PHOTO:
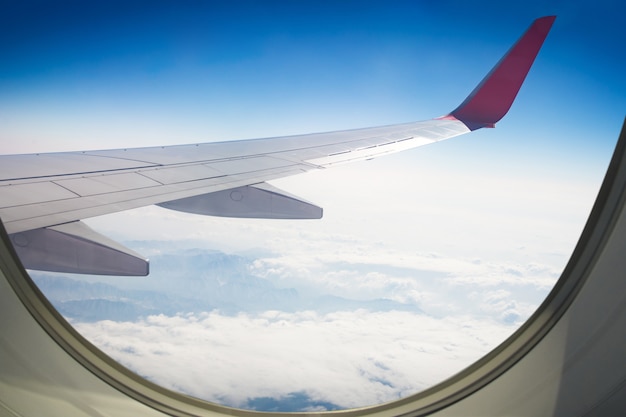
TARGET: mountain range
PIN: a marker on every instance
(189, 281)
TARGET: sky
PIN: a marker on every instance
(489, 218)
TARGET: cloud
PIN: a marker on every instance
(347, 358)
(437, 284)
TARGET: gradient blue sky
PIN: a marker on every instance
(78, 75)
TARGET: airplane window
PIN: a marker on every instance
(423, 262)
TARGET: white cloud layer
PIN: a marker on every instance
(348, 358)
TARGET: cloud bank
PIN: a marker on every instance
(347, 358)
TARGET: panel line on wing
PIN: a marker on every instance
(34, 193)
(72, 174)
(103, 184)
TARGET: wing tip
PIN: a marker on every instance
(494, 95)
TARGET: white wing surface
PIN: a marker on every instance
(43, 197)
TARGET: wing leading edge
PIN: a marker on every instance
(43, 197)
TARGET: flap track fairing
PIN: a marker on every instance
(76, 248)
(258, 201)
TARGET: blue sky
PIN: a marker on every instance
(80, 75)
(496, 212)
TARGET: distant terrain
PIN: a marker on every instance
(189, 281)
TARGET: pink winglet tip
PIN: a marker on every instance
(492, 98)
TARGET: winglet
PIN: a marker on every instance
(492, 98)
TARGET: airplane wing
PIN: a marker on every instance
(43, 197)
